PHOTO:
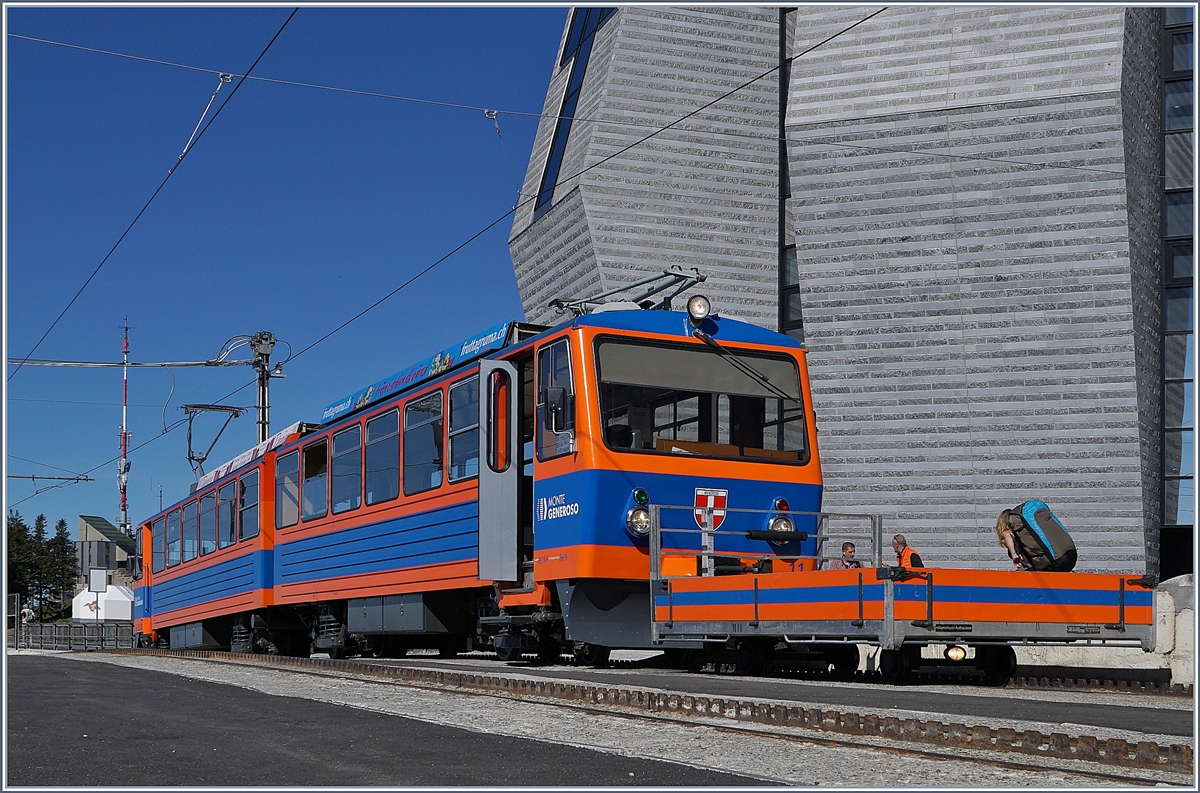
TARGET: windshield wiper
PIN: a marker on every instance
(742, 366)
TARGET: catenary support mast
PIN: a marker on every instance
(123, 465)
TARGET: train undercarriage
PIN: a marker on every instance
(583, 620)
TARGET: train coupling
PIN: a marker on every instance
(506, 620)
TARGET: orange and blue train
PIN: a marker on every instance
(626, 479)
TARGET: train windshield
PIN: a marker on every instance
(689, 400)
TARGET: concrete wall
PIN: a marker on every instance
(975, 325)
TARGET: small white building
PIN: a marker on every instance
(113, 605)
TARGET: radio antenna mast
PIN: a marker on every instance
(123, 464)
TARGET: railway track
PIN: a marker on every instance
(1107, 760)
(1027, 678)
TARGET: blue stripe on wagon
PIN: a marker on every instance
(1024, 596)
(234, 576)
(911, 593)
(741, 597)
(447, 534)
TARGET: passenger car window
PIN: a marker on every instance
(500, 392)
(555, 402)
(173, 539)
(136, 561)
(208, 523)
(158, 545)
(346, 484)
(190, 538)
(248, 506)
(464, 429)
(383, 457)
(314, 492)
(688, 400)
(226, 515)
(287, 490)
(423, 444)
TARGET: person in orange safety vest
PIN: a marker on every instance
(905, 556)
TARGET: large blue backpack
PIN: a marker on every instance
(1043, 538)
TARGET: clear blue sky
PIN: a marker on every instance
(297, 209)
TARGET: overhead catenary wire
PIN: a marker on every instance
(46, 489)
(579, 173)
(47, 465)
(493, 112)
(501, 218)
(82, 402)
(119, 364)
(167, 430)
(142, 211)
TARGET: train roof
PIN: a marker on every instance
(508, 335)
(678, 323)
(452, 357)
(503, 336)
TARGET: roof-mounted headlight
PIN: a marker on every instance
(698, 309)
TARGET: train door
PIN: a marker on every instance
(506, 475)
(499, 476)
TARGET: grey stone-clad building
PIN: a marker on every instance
(976, 248)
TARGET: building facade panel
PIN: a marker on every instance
(700, 195)
(966, 270)
(977, 216)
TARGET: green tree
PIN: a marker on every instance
(63, 565)
(40, 568)
(19, 556)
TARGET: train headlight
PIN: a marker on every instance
(638, 521)
(698, 308)
(781, 523)
(956, 653)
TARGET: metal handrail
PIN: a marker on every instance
(707, 552)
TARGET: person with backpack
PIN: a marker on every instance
(1036, 539)
(1004, 532)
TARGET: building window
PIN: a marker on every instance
(1177, 214)
(1177, 16)
(1177, 105)
(789, 303)
(578, 48)
(1178, 405)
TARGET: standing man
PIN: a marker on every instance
(26, 614)
(905, 556)
(847, 562)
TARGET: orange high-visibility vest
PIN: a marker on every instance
(905, 558)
